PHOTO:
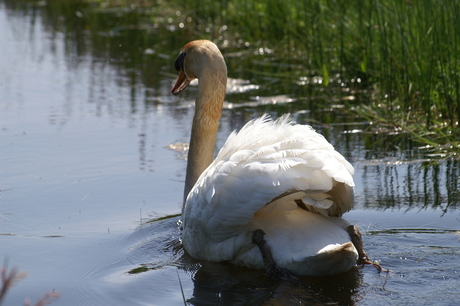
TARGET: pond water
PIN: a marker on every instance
(90, 193)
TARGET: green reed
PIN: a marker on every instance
(406, 53)
(403, 56)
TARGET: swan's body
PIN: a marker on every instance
(276, 176)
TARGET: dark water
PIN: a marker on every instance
(90, 193)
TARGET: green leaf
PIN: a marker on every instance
(363, 64)
(325, 75)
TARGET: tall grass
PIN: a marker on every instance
(407, 52)
(403, 54)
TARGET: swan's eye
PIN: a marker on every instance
(179, 62)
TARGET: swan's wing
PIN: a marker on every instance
(264, 160)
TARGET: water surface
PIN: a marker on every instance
(90, 194)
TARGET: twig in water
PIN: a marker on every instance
(9, 279)
(181, 288)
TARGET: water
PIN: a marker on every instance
(90, 194)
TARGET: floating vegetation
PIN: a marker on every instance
(412, 230)
(439, 139)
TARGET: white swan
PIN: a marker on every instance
(274, 195)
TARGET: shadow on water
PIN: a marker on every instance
(226, 284)
(412, 255)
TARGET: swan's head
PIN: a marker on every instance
(198, 59)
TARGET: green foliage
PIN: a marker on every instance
(407, 52)
(403, 53)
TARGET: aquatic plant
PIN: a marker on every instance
(406, 53)
(401, 57)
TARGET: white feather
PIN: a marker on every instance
(239, 192)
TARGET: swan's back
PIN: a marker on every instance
(266, 165)
(280, 152)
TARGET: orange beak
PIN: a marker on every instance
(181, 83)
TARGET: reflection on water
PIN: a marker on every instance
(221, 283)
(154, 247)
(86, 118)
(407, 185)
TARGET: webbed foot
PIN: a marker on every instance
(259, 238)
(357, 240)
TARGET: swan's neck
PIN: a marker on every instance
(208, 109)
